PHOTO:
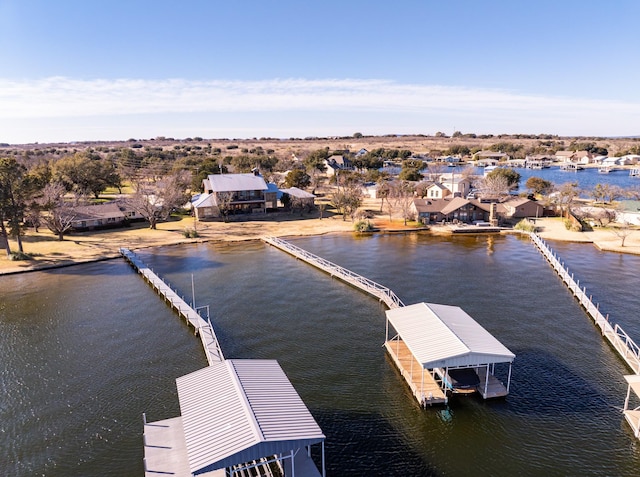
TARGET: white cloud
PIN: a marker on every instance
(358, 103)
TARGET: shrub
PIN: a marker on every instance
(363, 226)
(525, 225)
(190, 233)
(19, 256)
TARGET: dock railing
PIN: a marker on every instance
(202, 327)
(381, 292)
(618, 338)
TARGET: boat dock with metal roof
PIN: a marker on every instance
(243, 417)
(239, 417)
(438, 339)
(429, 382)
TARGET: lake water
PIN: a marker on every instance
(586, 178)
(85, 350)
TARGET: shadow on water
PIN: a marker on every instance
(366, 444)
(543, 385)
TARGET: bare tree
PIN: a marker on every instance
(565, 196)
(403, 197)
(156, 197)
(224, 200)
(60, 213)
(494, 187)
(622, 231)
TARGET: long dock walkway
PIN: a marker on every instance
(201, 326)
(381, 292)
(615, 335)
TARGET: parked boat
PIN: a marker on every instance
(635, 172)
(571, 167)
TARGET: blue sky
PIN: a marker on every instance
(111, 69)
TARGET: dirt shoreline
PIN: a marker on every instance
(48, 252)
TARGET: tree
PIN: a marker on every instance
(297, 178)
(85, 174)
(403, 195)
(537, 185)
(155, 198)
(16, 188)
(493, 187)
(60, 213)
(565, 196)
(347, 200)
(511, 176)
(622, 231)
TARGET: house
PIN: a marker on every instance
(304, 198)
(564, 156)
(577, 157)
(519, 208)
(495, 156)
(437, 191)
(337, 163)
(629, 159)
(90, 217)
(582, 157)
(237, 193)
(456, 183)
(450, 209)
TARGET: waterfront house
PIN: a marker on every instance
(564, 156)
(238, 193)
(519, 208)
(450, 209)
(490, 156)
(89, 217)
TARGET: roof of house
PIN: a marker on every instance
(424, 206)
(98, 211)
(236, 411)
(204, 200)
(299, 193)
(446, 336)
(234, 182)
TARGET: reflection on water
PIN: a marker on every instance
(84, 351)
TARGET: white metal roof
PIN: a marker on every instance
(299, 193)
(446, 336)
(236, 411)
(205, 200)
(236, 182)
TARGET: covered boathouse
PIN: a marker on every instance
(239, 418)
(434, 346)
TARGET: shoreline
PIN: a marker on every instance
(87, 247)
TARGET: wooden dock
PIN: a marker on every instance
(615, 335)
(423, 385)
(383, 293)
(201, 326)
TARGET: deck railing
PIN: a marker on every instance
(618, 338)
(203, 327)
(379, 291)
